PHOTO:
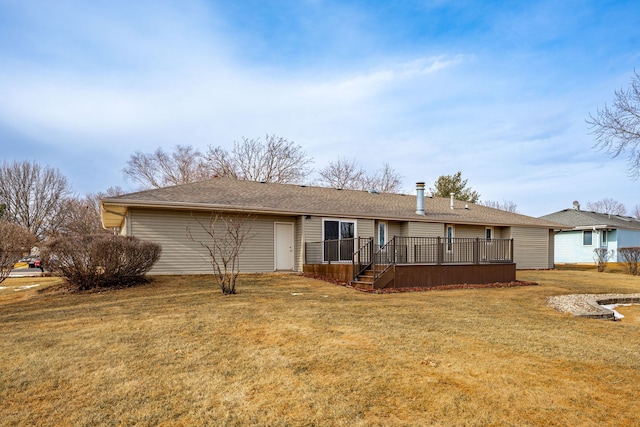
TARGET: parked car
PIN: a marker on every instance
(29, 262)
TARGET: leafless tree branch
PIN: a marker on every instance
(224, 243)
(33, 196)
(505, 205)
(617, 128)
(274, 160)
(159, 169)
(607, 206)
(15, 241)
(347, 174)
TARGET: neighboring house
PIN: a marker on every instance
(297, 226)
(589, 231)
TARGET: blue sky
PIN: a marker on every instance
(497, 90)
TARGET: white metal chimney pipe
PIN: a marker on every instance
(420, 198)
(452, 199)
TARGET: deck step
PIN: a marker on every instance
(361, 284)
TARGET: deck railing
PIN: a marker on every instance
(363, 253)
(456, 250)
(332, 251)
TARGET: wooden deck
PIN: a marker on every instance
(408, 262)
(419, 275)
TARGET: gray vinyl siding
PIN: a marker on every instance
(394, 229)
(551, 244)
(184, 255)
(425, 229)
(365, 228)
(311, 233)
(502, 232)
(469, 231)
(313, 229)
(531, 247)
(298, 233)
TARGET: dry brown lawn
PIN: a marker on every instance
(289, 350)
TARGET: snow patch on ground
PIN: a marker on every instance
(613, 306)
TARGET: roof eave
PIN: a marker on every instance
(114, 210)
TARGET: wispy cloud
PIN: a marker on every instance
(425, 89)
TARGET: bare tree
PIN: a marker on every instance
(81, 217)
(183, 165)
(15, 241)
(347, 174)
(505, 205)
(33, 196)
(607, 206)
(274, 160)
(343, 173)
(385, 180)
(636, 212)
(224, 241)
(617, 128)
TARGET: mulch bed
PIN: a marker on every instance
(422, 289)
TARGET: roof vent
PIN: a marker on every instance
(372, 191)
(452, 200)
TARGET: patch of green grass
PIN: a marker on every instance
(289, 350)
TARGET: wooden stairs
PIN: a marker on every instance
(365, 280)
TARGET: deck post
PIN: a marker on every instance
(476, 251)
(511, 249)
(394, 250)
(372, 257)
(440, 255)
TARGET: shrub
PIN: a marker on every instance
(101, 261)
(631, 257)
(601, 257)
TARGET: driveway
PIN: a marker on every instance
(26, 272)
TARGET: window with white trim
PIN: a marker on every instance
(587, 238)
(604, 237)
(338, 237)
(382, 234)
(450, 234)
(488, 233)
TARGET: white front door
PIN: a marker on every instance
(283, 245)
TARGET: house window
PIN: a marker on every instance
(450, 233)
(587, 238)
(382, 233)
(338, 237)
(604, 237)
(488, 233)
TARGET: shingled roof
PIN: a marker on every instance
(289, 199)
(585, 219)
